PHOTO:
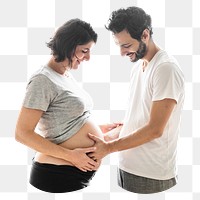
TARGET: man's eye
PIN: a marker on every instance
(127, 46)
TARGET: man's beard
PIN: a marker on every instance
(141, 52)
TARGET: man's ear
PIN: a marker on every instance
(145, 35)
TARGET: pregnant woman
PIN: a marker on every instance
(55, 117)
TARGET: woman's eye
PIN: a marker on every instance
(84, 51)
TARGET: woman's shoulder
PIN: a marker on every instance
(41, 80)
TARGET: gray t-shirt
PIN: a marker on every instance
(65, 104)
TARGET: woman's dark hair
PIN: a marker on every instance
(74, 32)
(133, 19)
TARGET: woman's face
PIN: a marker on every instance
(82, 53)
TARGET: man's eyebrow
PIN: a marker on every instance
(122, 45)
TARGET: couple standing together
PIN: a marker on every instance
(56, 122)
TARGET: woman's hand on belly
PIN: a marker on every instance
(79, 146)
(81, 160)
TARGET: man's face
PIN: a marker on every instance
(129, 46)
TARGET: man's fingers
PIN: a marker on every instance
(92, 156)
(118, 123)
(90, 149)
(93, 137)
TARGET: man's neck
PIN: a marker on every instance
(152, 49)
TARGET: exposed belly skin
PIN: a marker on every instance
(79, 140)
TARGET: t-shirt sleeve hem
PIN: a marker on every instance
(35, 107)
(159, 98)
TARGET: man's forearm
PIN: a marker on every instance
(141, 136)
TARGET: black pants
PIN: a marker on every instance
(59, 178)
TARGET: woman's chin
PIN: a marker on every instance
(76, 67)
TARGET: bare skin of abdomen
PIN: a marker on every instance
(78, 140)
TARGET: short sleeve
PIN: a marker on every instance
(40, 92)
(168, 82)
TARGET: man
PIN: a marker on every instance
(148, 138)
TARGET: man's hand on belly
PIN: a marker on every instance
(102, 148)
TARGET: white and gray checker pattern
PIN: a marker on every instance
(26, 25)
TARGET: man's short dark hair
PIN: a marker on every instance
(74, 32)
(133, 19)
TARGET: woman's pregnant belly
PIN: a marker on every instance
(78, 140)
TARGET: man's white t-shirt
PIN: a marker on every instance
(161, 79)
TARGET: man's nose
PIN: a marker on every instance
(123, 51)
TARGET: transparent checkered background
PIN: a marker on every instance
(26, 25)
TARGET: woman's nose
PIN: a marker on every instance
(87, 57)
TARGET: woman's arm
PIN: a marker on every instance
(25, 134)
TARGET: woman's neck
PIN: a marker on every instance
(59, 67)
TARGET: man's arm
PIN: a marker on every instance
(159, 116)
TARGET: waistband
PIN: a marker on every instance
(60, 168)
